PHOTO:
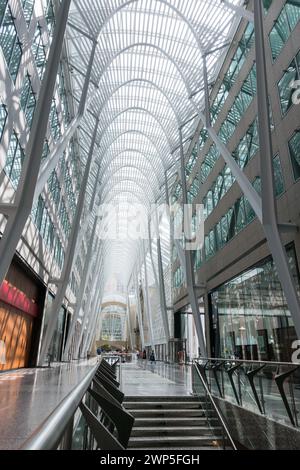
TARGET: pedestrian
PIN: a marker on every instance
(152, 357)
(144, 354)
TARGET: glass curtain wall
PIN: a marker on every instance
(250, 317)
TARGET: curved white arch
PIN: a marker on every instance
(149, 82)
(113, 187)
(133, 151)
(128, 179)
(128, 2)
(135, 131)
(117, 170)
(137, 108)
(153, 46)
(129, 165)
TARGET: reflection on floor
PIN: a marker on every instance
(142, 378)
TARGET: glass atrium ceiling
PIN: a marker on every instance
(148, 65)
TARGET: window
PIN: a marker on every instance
(54, 122)
(278, 176)
(69, 191)
(283, 27)
(233, 71)
(192, 161)
(27, 10)
(294, 148)
(178, 278)
(3, 5)
(209, 162)
(10, 44)
(63, 215)
(239, 107)
(28, 100)
(46, 151)
(63, 95)
(54, 188)
(284, 86)
(14, 160)
(177, 193)
(39, 52)
(251, 304)
(49, 14)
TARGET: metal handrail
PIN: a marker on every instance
(216, 408)
(257, 367)
(48, 435)
(244, 361)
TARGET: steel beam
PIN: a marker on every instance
(26, 187)
(162, 290)
(241, 11)
(139, 310)
(129, 326)
(91, 296)
(147, 300)
(94, 318)
(269, 209)
(69, 258)
(243, 181)
(85, 275)
(189, 269)
(206, 90)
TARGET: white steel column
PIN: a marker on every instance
(162, 290)
(69, 258)
(85, 275)
(139, 310)
(129, 322)
(94, 316)
(91, 295)
(269, 209)
(189, 269)
(147, 300)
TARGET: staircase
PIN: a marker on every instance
(171, 423)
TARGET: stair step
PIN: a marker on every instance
(172, 431)
(167, 412)
(171, 421)
(162, 405)
(179, 441)
(185, 398)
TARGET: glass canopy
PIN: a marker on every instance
(146, 83)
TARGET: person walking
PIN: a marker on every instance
(152, 358)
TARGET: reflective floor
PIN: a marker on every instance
(141, 378)
(27, 397)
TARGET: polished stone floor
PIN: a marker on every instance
(141, 378)
(28, 396)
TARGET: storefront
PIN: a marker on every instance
(185, 334)
(21, 306)
(250, 318)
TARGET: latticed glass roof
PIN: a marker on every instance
(148, 64)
